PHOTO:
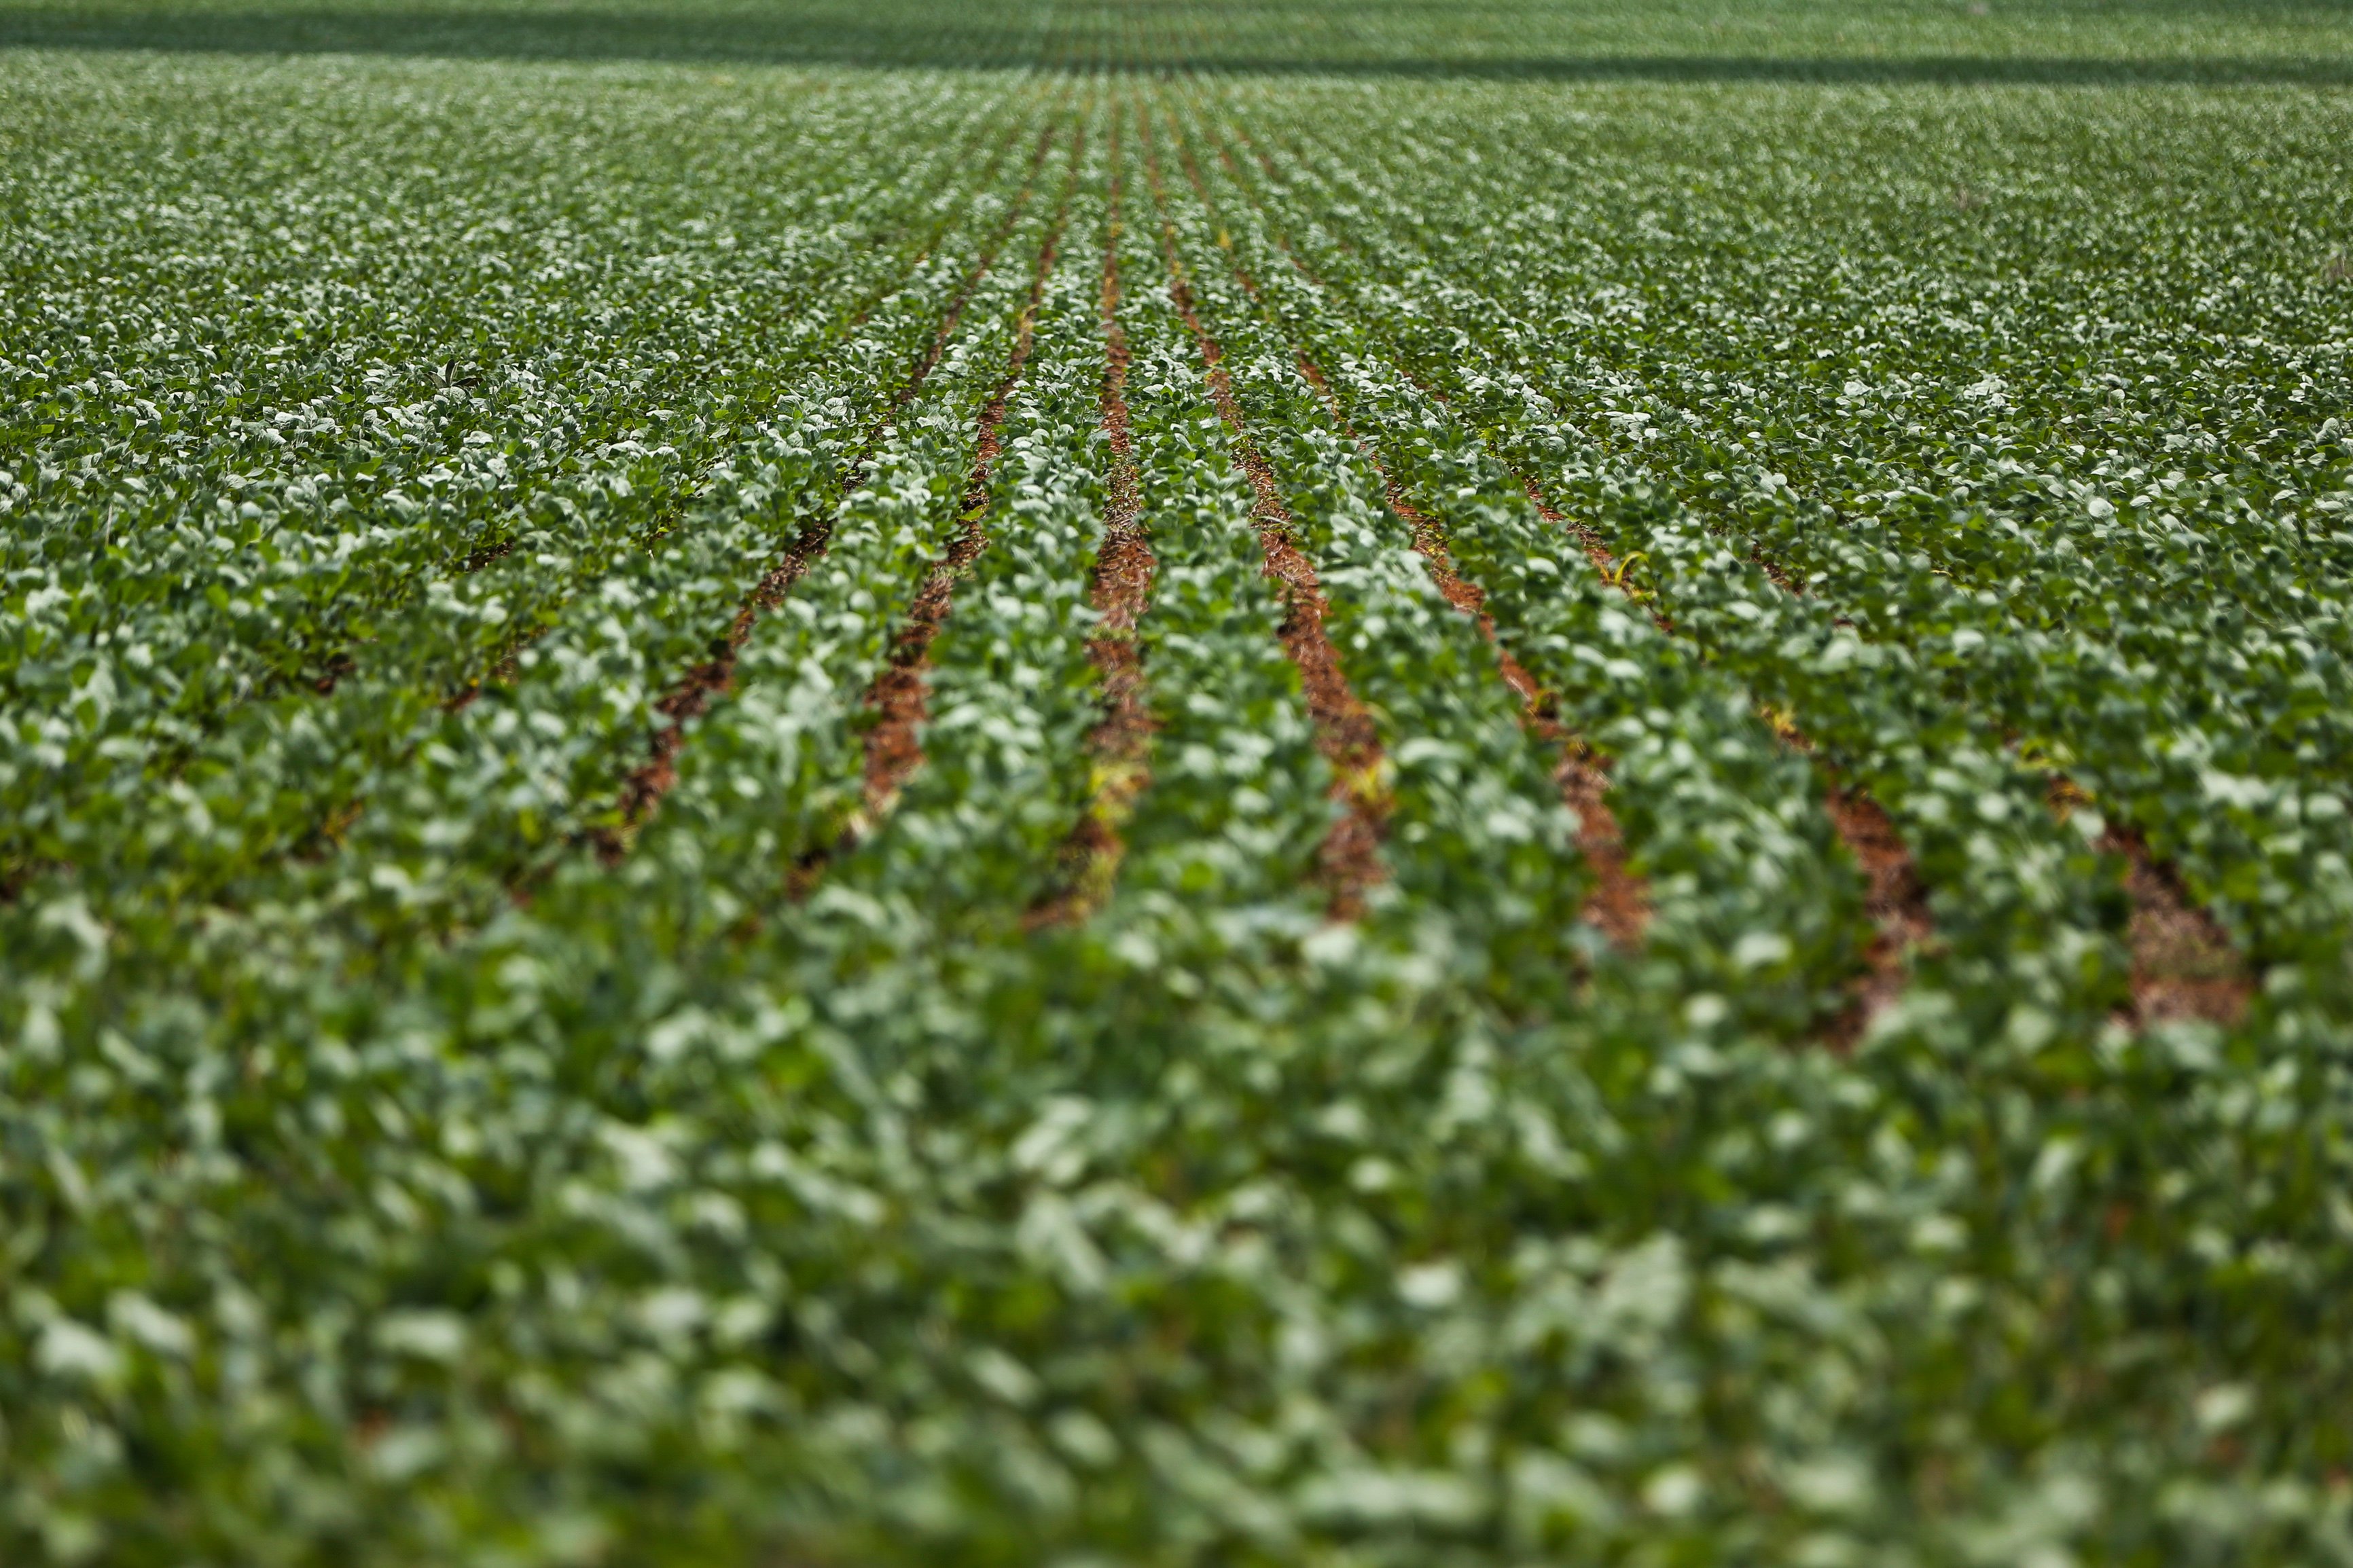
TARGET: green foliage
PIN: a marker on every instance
(486, 1078)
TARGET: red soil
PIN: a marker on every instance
(1121, 740)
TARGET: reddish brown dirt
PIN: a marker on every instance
(1894, 897)
(641, 793)
(1122, 590)
(1896, 901)
(642, 790)
(2183, 964)
(1619, 904)
(1343, 729)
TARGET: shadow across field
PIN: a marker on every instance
(731, 35)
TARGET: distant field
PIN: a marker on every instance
(2092, 40)
(1186, 782)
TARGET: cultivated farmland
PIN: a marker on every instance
(1185, 783)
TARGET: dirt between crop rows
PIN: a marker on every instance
(1120, 592)
(2183, 963)
(1893, 897)
(1619, 904)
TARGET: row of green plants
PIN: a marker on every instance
(2027, 594)
(495, 1111)
(165, 710)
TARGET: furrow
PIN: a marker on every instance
(1120, 592)
(1479, 849)
(1895, 899)
(1619, 902)
(1688, 746)
(2184, 965)
(581, 510)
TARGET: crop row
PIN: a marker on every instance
(1160, 878)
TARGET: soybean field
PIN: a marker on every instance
(1175, 781)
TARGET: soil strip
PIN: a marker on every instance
(503, 668)
(2184, 966)
(1893, 898)
(1619, 903)
(1120, 742)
